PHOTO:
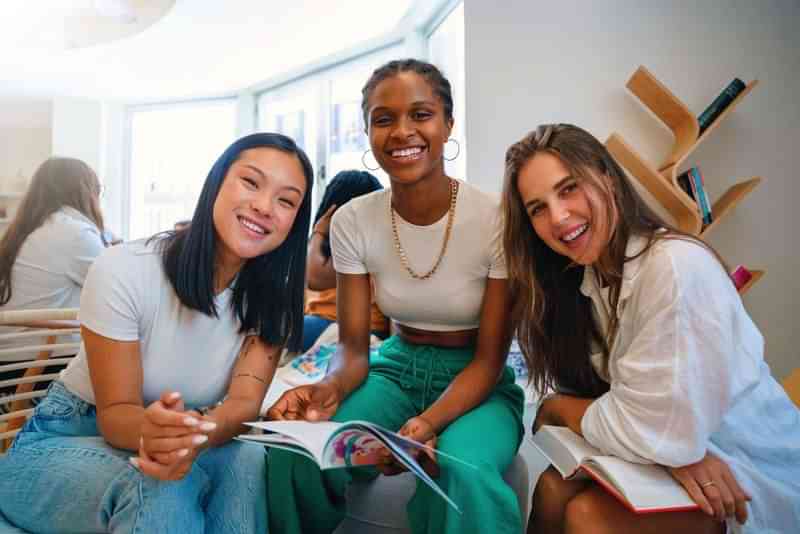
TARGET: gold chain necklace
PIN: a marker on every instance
(451, 213)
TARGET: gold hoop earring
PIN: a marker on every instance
(458, 149)
(364, 163)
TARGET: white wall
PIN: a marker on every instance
(24, 139)
(535, 62)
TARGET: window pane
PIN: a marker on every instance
(172, 151)
(446, 49)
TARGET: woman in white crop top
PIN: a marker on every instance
(431, 245)
(181, 338)
(641, 331)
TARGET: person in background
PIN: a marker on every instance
(641, 333)
(55, 236)
(320, 309)
(181, 337)
(432, 247)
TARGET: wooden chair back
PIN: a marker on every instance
(48, 338)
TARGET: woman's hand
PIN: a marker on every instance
(711, 484)
(314, 402)
(420, 430)
(171, 438)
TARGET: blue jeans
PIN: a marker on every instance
(313, 326)
(60, 475)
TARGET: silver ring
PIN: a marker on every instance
(707, 484)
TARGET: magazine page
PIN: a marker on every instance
(310, 436)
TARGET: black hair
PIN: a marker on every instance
(437, 81)
(346, 185)
(268, 290)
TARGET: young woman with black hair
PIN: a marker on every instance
(320, 309)
(432, 246)
(640, 332)
(181, 337)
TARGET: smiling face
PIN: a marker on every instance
(567, 213)
(407, 128)
(257, 204)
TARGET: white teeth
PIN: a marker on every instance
(575, 234)
(406, 152)
(252, 226)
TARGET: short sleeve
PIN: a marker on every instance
(497, 266)
(347, 242)
(84, 250)
(111, 297)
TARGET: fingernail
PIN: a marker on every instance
(208, 426)
(134, 462)
(190, 421)
(312, 414)
(199, 439)
(174, 396)
(183, 452)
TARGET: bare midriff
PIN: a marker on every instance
(450, 339)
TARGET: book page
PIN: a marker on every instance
(563, 448)
(311, 436)
(646, 487)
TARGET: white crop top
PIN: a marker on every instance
(127, 297)
(362, 242)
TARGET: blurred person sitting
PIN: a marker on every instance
(55, 236)
(320, 311)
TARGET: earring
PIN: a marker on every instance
(458, 149)
(364, 163)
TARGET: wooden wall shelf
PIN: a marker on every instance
(687, 218)
(725, 204)
(750, 283)
(662, 181)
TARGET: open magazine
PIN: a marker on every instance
(335, 445)
(641, 488)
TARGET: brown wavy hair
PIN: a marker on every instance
(552, 319)
(58, 182)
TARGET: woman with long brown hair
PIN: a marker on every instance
(640, 332)
(55, 236)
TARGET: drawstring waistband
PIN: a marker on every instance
(430, 354)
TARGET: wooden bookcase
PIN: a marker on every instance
(662, 180)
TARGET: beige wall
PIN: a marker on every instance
(533, 62)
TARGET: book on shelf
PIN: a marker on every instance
(640, 488)
(723, 100)
(336, 445)
(691, 182)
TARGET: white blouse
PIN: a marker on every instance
(688, 375)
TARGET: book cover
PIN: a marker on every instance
(338, 445)
(640, 488)
(723, 100)
(702, 198)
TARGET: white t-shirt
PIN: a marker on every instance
(362, 242)
(51, 265)
(127, 297)
(687, 375)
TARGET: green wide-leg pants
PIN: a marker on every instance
(403, 381)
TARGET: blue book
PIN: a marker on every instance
(719, 104)
(701, 197)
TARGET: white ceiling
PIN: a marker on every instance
(199, 48)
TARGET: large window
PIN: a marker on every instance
(446, 51)
(322, 112)
(172, 148)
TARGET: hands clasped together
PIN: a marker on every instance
(171, 438)
(318, 402)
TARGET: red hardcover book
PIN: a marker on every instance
(643, 489)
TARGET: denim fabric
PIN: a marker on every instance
(60, 475)
(313, 326)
